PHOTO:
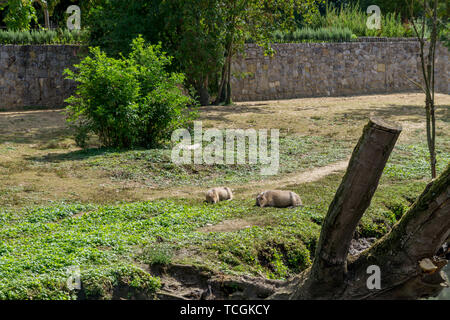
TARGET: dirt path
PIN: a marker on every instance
(311, 175)
(252, 188)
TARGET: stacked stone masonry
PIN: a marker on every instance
(332, 69)
(32, 76)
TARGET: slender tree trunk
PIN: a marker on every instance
(228, 99)
(223, 92)
(226, 71)
(431, 76)
(428, 72)
(220, 97)
(44, 6)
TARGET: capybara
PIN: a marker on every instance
(278, 199)
(215, 195)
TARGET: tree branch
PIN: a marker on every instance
(417, 236)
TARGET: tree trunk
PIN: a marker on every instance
(220, 93)
(228, 99)
(350, 202)
(44, 6)
(428, 68)
(203, 92)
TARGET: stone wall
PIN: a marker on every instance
(32, 75)
(332, 69)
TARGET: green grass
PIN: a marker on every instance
(411, 161)
(111, 243)
(108, 242)
(155, 167)
(339, 24)
(114, 244)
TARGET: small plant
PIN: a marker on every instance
(160, 253)
(398, 210)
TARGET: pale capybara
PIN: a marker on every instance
(215, 195)
(278, 199)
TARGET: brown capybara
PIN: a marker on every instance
(278, 199)
(215, 195)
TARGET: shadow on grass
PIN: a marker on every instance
(76, 155)
(232, 110)
(418, 112)
(34, 127)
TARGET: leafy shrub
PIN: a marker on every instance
(444, 35)
(19, 14)
(131, 101)
(397, 210)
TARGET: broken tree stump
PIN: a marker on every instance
(349, 204)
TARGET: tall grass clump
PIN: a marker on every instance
(60, 36)
(313, 35)
(355, 19)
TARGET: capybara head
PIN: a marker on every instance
(212, 197)
(261, 200)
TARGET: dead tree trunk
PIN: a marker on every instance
(350, 202)
(418, 236)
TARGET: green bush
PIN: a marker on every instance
(131, 101)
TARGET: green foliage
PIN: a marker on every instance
(400, 7)
(412, 161)
(110, 242)
(61, 36)
(130, 101)
(115, 24)
(444, 35)
(155, 165)
(20, 14)
(199, 34)
(398, 210)
(354, 18)
(190, 31)
(100, 282)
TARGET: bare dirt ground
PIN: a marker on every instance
(27, 138)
